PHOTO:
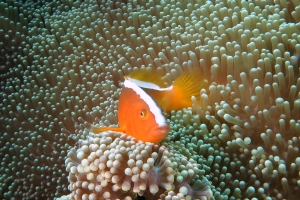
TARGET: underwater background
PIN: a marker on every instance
(61, 65)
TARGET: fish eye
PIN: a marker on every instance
(143, 113)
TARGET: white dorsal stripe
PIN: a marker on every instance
(159, 118)
(148, 85)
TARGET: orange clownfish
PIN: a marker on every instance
(138, 115)
(174, 97)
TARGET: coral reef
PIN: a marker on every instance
(61, 63)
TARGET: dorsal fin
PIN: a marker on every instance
(147, 78)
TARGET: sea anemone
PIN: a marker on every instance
(61, 63)
(113, 165)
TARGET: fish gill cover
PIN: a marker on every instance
(61, 63)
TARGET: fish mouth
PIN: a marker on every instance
(157, 133)
(161, 129)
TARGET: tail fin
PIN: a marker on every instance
(190, 83)
(185, 86)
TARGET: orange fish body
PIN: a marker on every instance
(139, 116)
(145, 94)
(175, 97)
